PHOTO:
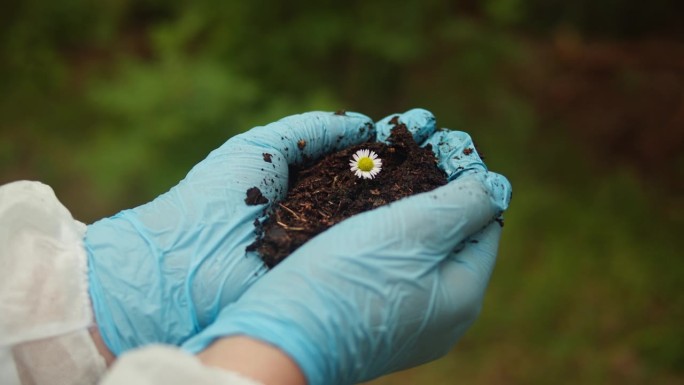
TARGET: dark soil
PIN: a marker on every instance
(327, 192)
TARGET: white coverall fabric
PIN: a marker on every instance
(45, 309)
(159, 364)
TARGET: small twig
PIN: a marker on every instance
(324, 215)
(291, 212)
(337, 210)
(286, 227)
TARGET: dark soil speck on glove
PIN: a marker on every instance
(254, 197)
(327, 192)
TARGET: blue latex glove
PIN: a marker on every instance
(162, 272)
(387, 289)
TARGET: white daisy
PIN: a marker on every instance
(365, 164)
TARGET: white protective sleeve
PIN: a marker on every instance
(167, 365)
(45, 309)
(43, 272)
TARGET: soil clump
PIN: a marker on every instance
(325, 193)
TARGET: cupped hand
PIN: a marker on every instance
(387, 289)
(161, 272)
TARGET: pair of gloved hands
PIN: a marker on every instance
(382, 291)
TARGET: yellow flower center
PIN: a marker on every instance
(365, 164)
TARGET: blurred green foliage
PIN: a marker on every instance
(112, 103)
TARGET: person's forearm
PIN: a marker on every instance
(253, 359)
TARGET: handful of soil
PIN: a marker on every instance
(327, 192)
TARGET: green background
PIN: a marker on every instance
(579, 103)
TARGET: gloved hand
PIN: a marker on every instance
(387, 289)
(161, 272)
